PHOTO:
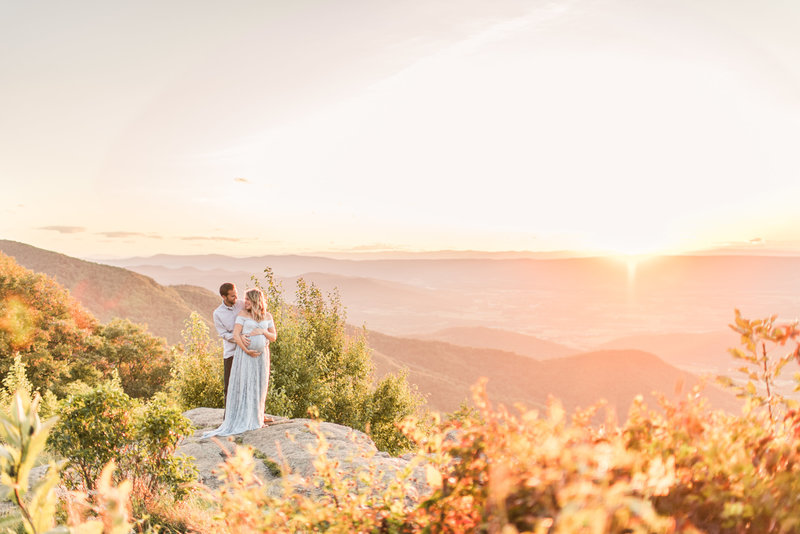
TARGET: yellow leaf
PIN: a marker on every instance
(92, 526)
(433, 477)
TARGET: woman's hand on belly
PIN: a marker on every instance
(258, 343)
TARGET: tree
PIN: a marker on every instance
(53, 334)
(141, 359)
(94, 428)
(105, 424)
(49, 329)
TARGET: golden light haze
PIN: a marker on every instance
(255, 128)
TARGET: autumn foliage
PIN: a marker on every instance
(674, 467)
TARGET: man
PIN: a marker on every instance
(224, 321)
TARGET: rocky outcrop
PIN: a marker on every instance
(287, 448)
(285, 451)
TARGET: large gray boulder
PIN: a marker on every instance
(287, 448)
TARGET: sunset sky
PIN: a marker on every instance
(260, 127)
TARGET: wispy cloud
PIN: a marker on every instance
(212, 238)
(151, 235)
(242, 180)
(64, 229)
(123, 235)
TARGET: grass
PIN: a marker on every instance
(272, 467)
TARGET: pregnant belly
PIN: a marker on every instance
(257, 343)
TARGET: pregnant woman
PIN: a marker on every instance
(247, 389)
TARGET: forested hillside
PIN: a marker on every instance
(64, 343)
(113, 292)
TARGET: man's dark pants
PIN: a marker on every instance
(227, 364)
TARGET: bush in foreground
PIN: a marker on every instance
(104, 424)
(682, 468)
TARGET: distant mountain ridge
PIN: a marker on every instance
(700, 351)
(583, 302)
(495, 338)
(374, 302)
(617, 376)
(653, 272)
(620, 375)
(110, 292)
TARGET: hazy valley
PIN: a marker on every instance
(678, 306)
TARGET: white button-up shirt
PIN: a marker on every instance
(224, 321)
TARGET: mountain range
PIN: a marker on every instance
(577, 381)
(442, 362)
(579, 302)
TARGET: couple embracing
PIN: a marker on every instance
(246, 329)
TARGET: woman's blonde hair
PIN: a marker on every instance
(259, 304)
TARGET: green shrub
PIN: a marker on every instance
(390, 401)
(159, 428)
(94, 428)
(197, 368)
(16, 380)
(104, 424)
(24, 438)
(315, 364)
